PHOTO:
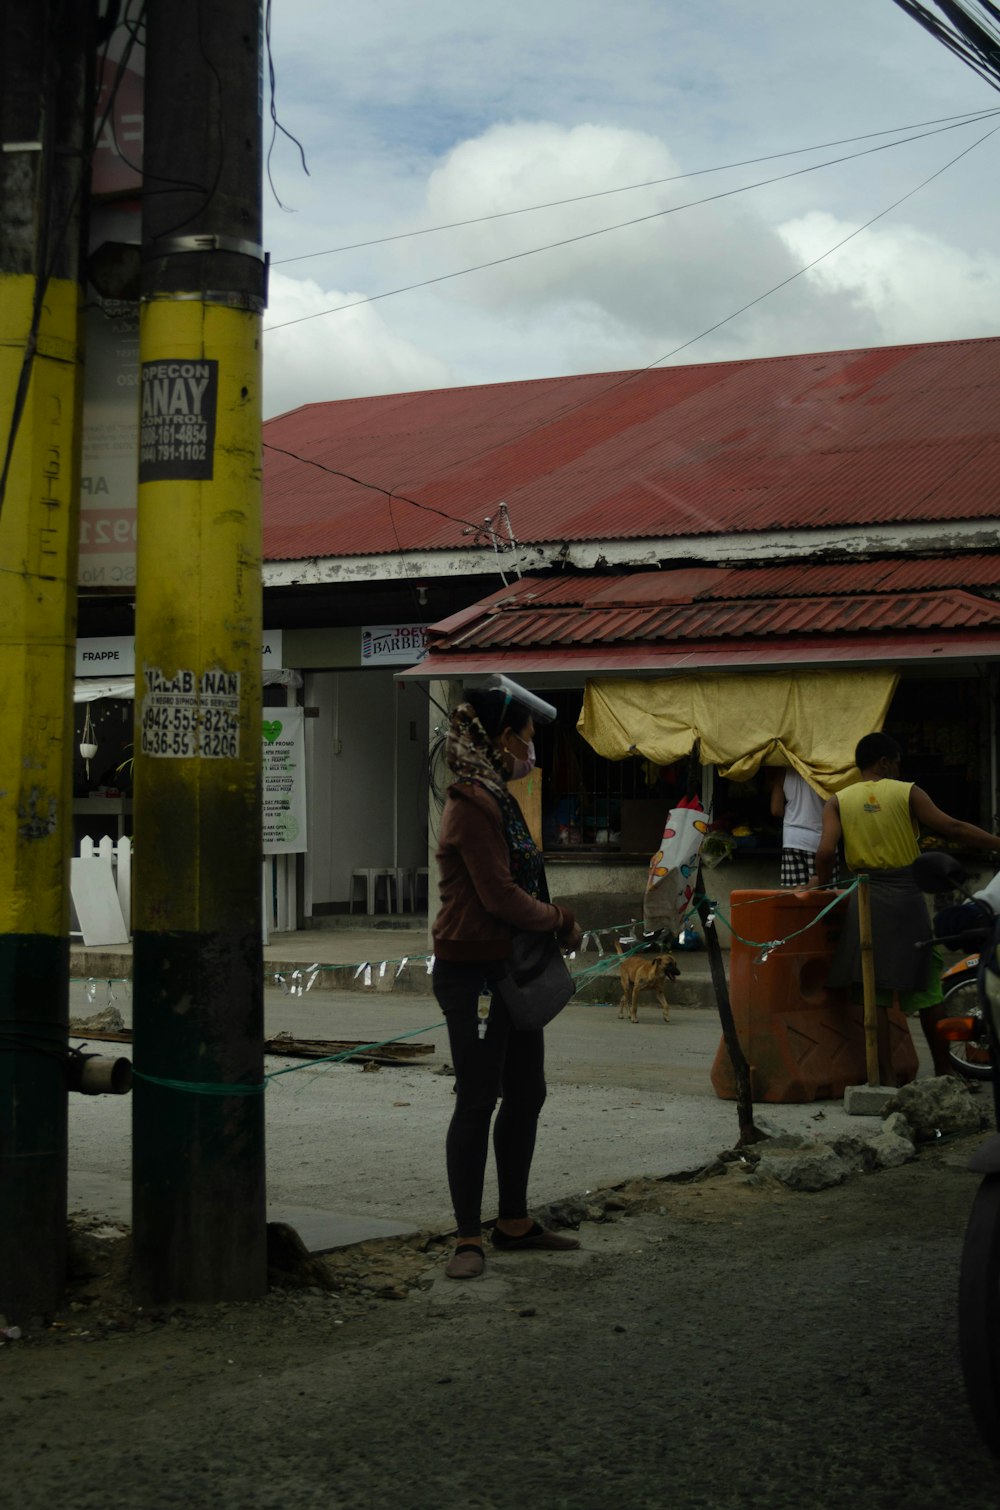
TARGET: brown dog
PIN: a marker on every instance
(645, 972)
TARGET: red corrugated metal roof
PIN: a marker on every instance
(579, 661)
(683, 622)
(705, 584)
(889, 435)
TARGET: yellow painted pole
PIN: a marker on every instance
(43, 117)
(868, 980)
(198, 1108)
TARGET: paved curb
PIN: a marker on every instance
(692, 990)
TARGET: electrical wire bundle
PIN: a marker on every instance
(971, 30)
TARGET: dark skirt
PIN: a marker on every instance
(900, 923)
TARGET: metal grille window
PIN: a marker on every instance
(593, 804)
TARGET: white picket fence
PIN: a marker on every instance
(119, 857)
(279, 896)
(278, 882)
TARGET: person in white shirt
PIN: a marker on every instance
(801, 811)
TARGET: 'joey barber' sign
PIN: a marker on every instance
(177, 434)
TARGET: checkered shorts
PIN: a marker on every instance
(797, 865)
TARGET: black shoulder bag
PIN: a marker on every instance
(537, 984)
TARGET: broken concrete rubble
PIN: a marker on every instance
(938, 1108)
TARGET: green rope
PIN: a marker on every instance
(203, 1087)
(345, 1054)
(608, 963)
(774, 943)
(257, 1088)
(210, 1088)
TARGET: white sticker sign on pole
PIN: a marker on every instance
(187, 717)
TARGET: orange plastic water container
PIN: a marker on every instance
(803, 1040)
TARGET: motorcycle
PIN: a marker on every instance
(964, 1026)
(979, 1279)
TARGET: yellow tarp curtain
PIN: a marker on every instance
(810, 720)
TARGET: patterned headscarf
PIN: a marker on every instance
(470, 754)
(469, 751)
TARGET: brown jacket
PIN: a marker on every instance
(481, 903)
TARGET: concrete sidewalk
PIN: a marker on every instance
(355, 1155)
(336, 953)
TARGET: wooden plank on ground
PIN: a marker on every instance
(284, 1046)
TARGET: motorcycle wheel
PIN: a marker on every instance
(972, 1058)
(979, 1312)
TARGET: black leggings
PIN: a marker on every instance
(505, 1062)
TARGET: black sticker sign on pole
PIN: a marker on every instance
(177, 430)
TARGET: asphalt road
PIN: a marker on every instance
(727, 1347)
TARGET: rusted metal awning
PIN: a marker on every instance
(851, 613)
(579, 661)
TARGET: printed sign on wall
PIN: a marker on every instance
(392, 644)
(284, 782)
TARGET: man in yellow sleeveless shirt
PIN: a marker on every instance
(878, 818)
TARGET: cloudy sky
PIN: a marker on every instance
(416, 117)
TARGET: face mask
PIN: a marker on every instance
(522, 768)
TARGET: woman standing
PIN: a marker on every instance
(492, 883)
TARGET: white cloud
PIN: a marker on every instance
(916, 286)
(339, 356)
(642, 274)
(415, 118)
(629, 296)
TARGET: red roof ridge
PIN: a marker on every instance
(628, 373)
(872, 437)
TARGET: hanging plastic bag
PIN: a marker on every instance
(673, 868)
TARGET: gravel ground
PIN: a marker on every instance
(718, 1345)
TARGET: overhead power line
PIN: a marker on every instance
(373, 487)
(971, 31)
(629, 377)
(775, 288)
(968, 118)
(604, 230)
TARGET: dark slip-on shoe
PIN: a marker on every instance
(535, 1237)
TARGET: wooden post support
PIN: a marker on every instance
(868, 980)
(749, 1132)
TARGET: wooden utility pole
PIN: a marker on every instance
(749, 1132)
(45, 115)
(198, 1112)
(868, 981)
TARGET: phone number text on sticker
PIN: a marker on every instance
(187, 718)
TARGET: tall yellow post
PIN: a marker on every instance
(43, 118)
(198, 1114)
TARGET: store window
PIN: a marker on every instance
(941, 724)
(741, 810)
(590, 804)
(108, 723)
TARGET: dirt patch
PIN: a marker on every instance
(351, 1281)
